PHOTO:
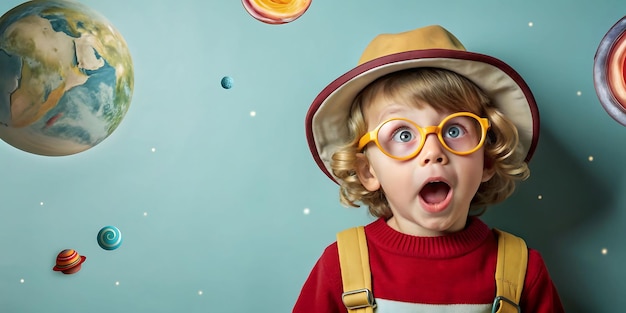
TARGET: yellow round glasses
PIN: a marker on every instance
(461, 133)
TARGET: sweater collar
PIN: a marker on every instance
(471, 237)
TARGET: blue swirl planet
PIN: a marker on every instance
(109, 238)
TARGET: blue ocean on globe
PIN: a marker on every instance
(66, 77)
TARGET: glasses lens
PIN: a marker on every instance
(462, 133)
(399, 138)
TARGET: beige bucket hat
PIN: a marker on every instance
(431, 46)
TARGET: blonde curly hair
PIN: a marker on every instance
(446, 91)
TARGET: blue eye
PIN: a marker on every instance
(403, 135)
(454, 131)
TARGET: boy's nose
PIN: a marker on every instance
(432, 151)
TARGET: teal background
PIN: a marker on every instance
(212, 200)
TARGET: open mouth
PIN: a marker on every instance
(435, 192)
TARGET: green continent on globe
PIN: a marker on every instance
(66, 77)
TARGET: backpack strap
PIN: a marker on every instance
(355, 271)
(510, 272)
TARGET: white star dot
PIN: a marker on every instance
(117, 283)
(530, 24)
(579, 93)
(604, 251)
(145, 213)
(539, 197)
(22, 281)
(41, 203)
(253, 113)
(590, 158)
(153, 149)
(200, 292)
(306, 211)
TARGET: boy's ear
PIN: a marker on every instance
(488, 170)
(365, 173)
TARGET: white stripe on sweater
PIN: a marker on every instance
(390, 306)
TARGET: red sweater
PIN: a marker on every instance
(453, 273)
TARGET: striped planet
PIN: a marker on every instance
(109, 238)
(68, 261)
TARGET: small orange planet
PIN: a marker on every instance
(276, 11)
(69, 261)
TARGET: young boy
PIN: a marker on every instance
(426, 134)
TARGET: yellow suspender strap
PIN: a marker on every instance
(510, 272)
(355, 271)
(357, 281)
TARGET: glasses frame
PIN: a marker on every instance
(424, 132)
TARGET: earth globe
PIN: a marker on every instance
(66, 77)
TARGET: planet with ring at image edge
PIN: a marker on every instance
(609, 71)
(66, 77)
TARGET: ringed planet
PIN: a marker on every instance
(69, 261)
(609, 72)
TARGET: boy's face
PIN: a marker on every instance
(430, 194)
